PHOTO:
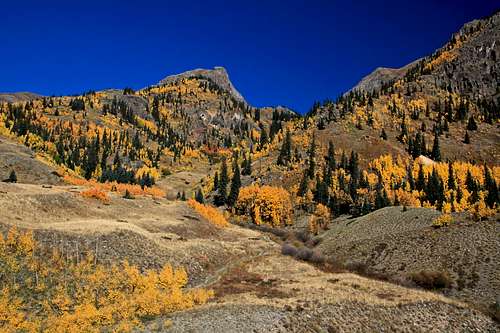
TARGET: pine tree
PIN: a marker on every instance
(248, 166)
(344, 163)
(321, 193)
(304, 184)
(216, 181)
(404, 131)
(311, 161)
(452, 184)
(199, 196)
(409, 176)
(420, 185)
(222, 185)
(383, 135)
(490, 185)
(471, 124)
(330, 158)
(235, 185)
(263, 138)
(436, 151)
(12, 177)
(467, 138)
(285, 156)
(381, 199)
(470, 182)
(354, 166)
(128, 195)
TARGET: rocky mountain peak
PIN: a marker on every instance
(217, 74)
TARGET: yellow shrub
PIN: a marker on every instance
(153, 172)
(320, 219)
(212, 214)
(266, 204)
(442, 221)
(56, 293)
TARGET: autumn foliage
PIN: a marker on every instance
(59, 293)
(121, 188)
(266, 204)
(95, 193)
(442, 221)
(213, 215)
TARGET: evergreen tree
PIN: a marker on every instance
(467, 138)
(383, 135)
(12, 177)
(183, 196)
(460, 194)
(420, 185)
(434, 191)
(285, 156)
(470, 182)
(235, 185)
(381, 199)
(216, 181)
(311, 160)
(354, 166)
(128, 195)
(263, 138)
(436, 151)
(248, 166)
(366, 207)
(344, 163)
(199, 196)
(471, 124)
(321, 193)
(404, 131)
(490, 185)
(303, 187)
(221, 196)
(91, 160)
(409, 176)
(452, 185)
(330, 158)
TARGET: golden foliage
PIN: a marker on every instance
(320, 219)
(121, 188)
(266, 204)
(212, 214)
(95, 193)
(153, 172)
(54, 293)
(442, 221)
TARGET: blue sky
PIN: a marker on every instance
(276, 52)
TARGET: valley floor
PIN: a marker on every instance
(257, 289)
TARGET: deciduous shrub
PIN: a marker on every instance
(121, 188)
(432, 279)
(95, 193)
(288, 250)
(212, 214)
(442, 221)
(266, 204)
(58, 293)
